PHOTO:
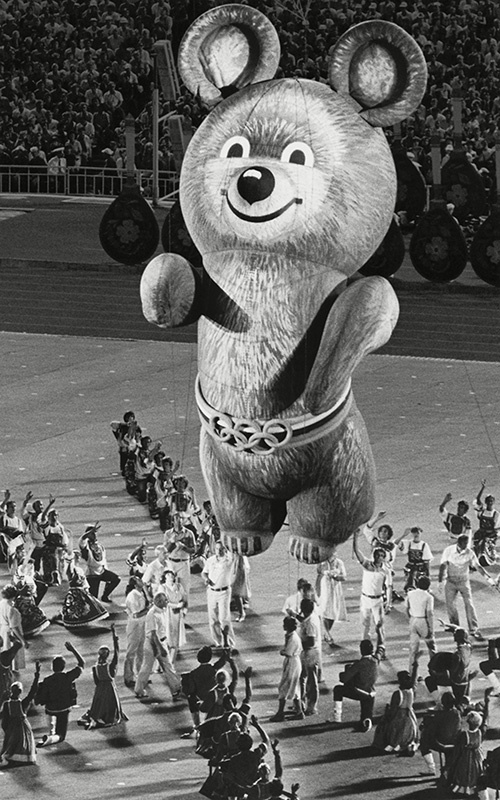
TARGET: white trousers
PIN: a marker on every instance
(169, 674)
(219, 615)
(136, 631)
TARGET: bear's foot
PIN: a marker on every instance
(310, 551)
(246, 543)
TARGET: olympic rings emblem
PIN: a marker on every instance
(249, 435)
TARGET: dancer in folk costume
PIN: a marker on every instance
(79, 607)
(55, 548)
(398, 730)
(331, 574)
(289, 687)
(106, 709)
(26, 574)
(137, 560)
(33, 620)
(124, 433)
(466, 762)
(439, 731)
(486, 536)
(19, 742)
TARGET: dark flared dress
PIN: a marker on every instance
(106, 708)
(19, 742)
(33, 620)
(466, 763)
(79, 607)
(398, 728)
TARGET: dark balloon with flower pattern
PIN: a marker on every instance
(438, 249)
(485, 249)
(129, 231)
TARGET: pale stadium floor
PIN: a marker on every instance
(433, 425)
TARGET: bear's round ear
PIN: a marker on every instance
(382, 67)
(225, 49)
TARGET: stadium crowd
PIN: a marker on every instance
(71, 71)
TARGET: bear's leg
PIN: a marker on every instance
(248, 523)
(339, 495)
(320, 519)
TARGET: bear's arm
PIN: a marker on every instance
(360, 321)
(170, 291)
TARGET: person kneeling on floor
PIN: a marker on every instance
(358, 682)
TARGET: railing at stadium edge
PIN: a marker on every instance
(83, 181)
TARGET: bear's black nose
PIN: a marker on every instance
(256, 184)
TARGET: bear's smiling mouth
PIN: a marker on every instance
(263, 217)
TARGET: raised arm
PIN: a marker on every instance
(116, 649)
(72, 649)
(357, 552)
(247, 674)
(371, 524)
(26, 500)
(234, 675)
(278, 766)
(27, 701)
(445, 501)
(52, 500)
(263, 735)
(400, 538)
(6, 498)
(480, 492)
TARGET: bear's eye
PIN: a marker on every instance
(236, 147)
(298, 153)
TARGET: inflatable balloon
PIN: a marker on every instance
(286, 189)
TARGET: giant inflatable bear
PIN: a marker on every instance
(287, 188)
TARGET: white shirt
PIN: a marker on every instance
(373, 581)
(419, 602)
(135, 602)
(219, 571)
(292, 603)
(12, 523)
(177, 538)
(95, 566)
(157, 620)
(459, 562)
(154, 572)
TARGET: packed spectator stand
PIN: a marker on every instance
(70, 72)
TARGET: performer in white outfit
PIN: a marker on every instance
(180, 543)
(373, 592)
(331, 575)
(136, 606)
(156, 647)
(217, 575)
(154, 571)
